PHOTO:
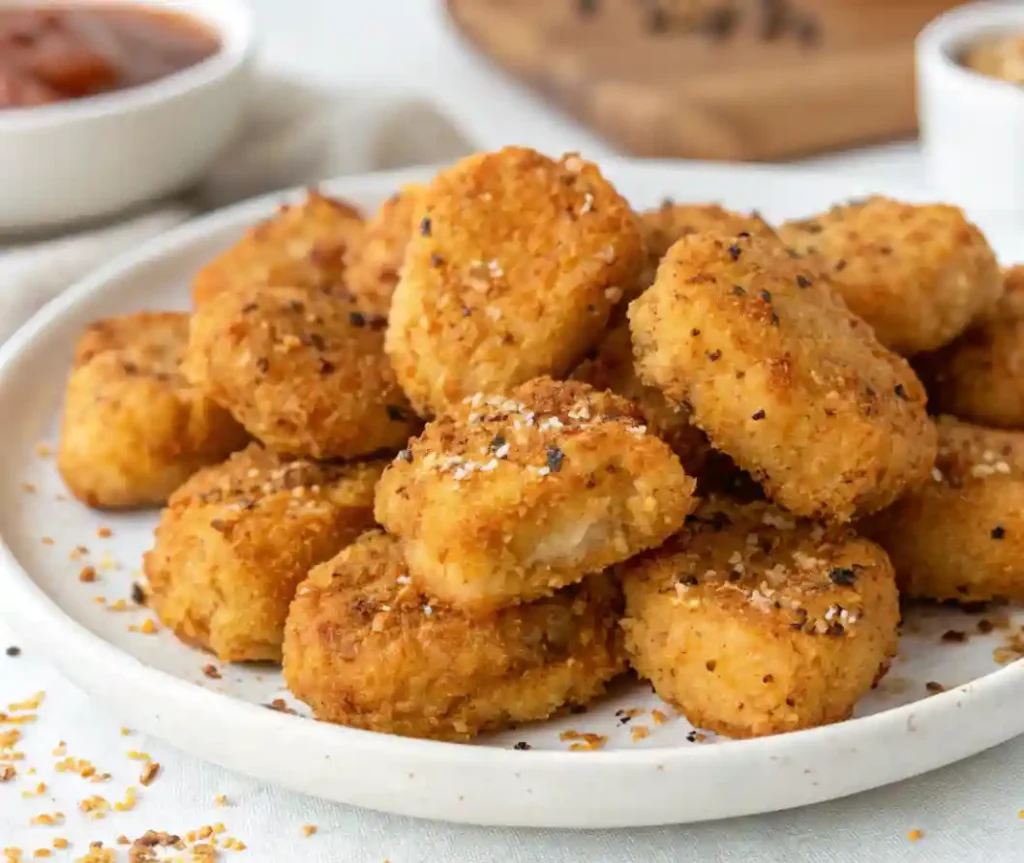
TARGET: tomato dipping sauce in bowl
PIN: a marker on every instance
(105, 105)
(51, 55)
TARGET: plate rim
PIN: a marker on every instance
(67, 643)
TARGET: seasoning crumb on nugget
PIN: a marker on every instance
(919, 274)
(237, 538)
(365, 647)
(980, 376)
(303, 371)
(511, 497)
(961, 537)
(782, 377)
(513, 269)
(133, 428)
(304, 244)
(753, 622)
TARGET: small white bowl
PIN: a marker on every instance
(94, 157)
(972, 126)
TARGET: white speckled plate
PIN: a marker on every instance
(672, 775)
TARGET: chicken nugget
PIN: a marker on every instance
(512, 497)
(782, 377)
(752, 622)
(918, 274)
(980, 376)
(364, 647)
(376, 259)
(237, 538)
(302, 370)
(133, 428)
(670, 222)
(512, 271)
(961, 537)
(304, 244)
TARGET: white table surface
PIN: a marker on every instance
(968, 812)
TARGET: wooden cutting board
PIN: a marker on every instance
(714, 79)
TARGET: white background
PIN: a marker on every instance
(968, 812)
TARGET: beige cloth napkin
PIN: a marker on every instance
(296, 134)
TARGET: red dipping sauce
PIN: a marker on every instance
(54, 53)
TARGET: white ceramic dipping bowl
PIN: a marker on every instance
(89, 158)
(972, 126)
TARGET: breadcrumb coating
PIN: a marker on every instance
(235, 541)
(980, 376)
(303, 371)
(782, 377)
(512, 271)
(919, 274)
(133, 428)
(365, 647)
(753, 622)
(961, 537)
(513, 497)
(305, 244)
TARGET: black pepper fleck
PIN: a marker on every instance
(954, 636)
(425, 226)
(357, 319)
(758, 415)
(695, 332)
(138, 594)
(998, 532)
(555, 458)
(317, 341)
(802, 281)
(734, 252)
(262, 365)
(901, 393)
(522, 746)
(714, 355)
(249, 307)
(843, 575)
(840, 265)
(436, 260)
(326, 366)
(766, 296)
(395, 413)
(738, 290)
(13, 651)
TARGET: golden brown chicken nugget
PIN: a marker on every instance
(133, 428)
(512, 271)
(961, 537)
(237, 538)
(918, 274)
(752, 622)
(304, 244)
(782, 377)
(980, 376)
(364, 647)
(512, 497)
(376, 260)
(302, 370)
(664, 226)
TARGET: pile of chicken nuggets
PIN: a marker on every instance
(461, 463)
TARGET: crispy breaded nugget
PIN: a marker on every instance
(962, 536)
(752, 622)
(304, 244)
(237, 538)
(512, 271)
(303, 371)
(918, 274)
(366, 648)
(512, 497)
(980, 377)
(782, 377)
(376, 259)
(664, 226)
(611, 368)
(133, 428)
